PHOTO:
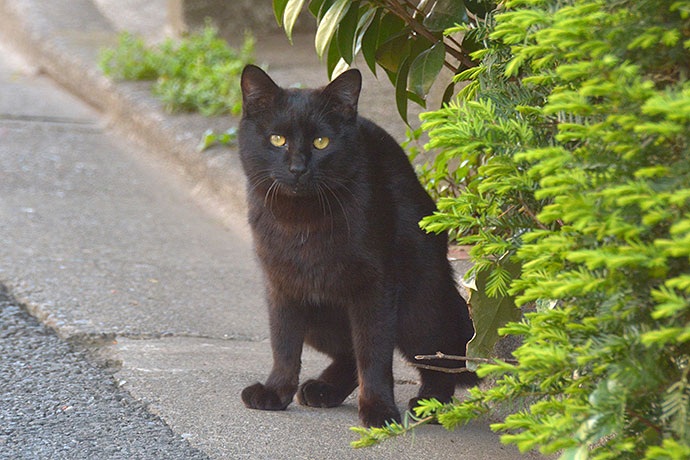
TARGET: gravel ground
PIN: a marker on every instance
(55, 404)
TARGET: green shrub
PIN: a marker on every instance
(198, 73)
(403, 38)
(575, 135)
(131, 60)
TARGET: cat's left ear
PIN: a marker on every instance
(345, 89)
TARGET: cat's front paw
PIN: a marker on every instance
(376, 414)
(258, 396)
(317, 393)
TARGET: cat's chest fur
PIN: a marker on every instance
(325, 263)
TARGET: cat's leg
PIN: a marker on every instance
(331, 335)
(334, 384)
(436, 385)
(287, 324)
(440, 385)
(445, 327)
(374, 340)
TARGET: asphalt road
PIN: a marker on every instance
(56, 404)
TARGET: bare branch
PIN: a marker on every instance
(448, 370)
(440, 355)
(453, 41)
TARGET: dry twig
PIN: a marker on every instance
(440, 355)
(448, 370)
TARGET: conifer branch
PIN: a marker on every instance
(531, 214)
(642, 419)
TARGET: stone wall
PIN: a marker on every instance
(232, 17)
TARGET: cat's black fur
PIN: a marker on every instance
(348, 270)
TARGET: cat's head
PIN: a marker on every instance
(298, 141)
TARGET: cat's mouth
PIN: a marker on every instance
(295, 189)
(298, 190)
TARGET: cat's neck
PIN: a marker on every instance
(294, 212)
(330, 212)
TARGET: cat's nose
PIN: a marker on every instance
(297, 169)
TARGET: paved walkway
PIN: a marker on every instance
(117, 246)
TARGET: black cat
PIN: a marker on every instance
(334, 207)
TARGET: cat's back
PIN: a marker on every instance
(416, 251)
(392, 170)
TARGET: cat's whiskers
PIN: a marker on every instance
(328, 203)
(262, 175)
(255, 185)
(273, 195)
(340, 203)
(322, 205)
(258, 173)
(341, 183)
(268, 192)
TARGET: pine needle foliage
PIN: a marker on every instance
(573, 146)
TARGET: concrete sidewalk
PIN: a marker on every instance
(64, 39)
(141, 250)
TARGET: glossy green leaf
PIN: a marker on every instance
(329, 23)
(445, 14)
(489, 314)
(390, 25)
(340, 67)
(292, 11)
(346, 32)
(365, 19)
(390, 28)
(425, 68)
(279, 10)
(418, 45)
(392, 76)
(332, 57)
(401, 88)
(315, 7)
(416, 99)
(370, 40)
(393, 51)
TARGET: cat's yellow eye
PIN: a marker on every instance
(277, 140)
(321, 142)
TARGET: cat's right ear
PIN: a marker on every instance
(259, 92)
